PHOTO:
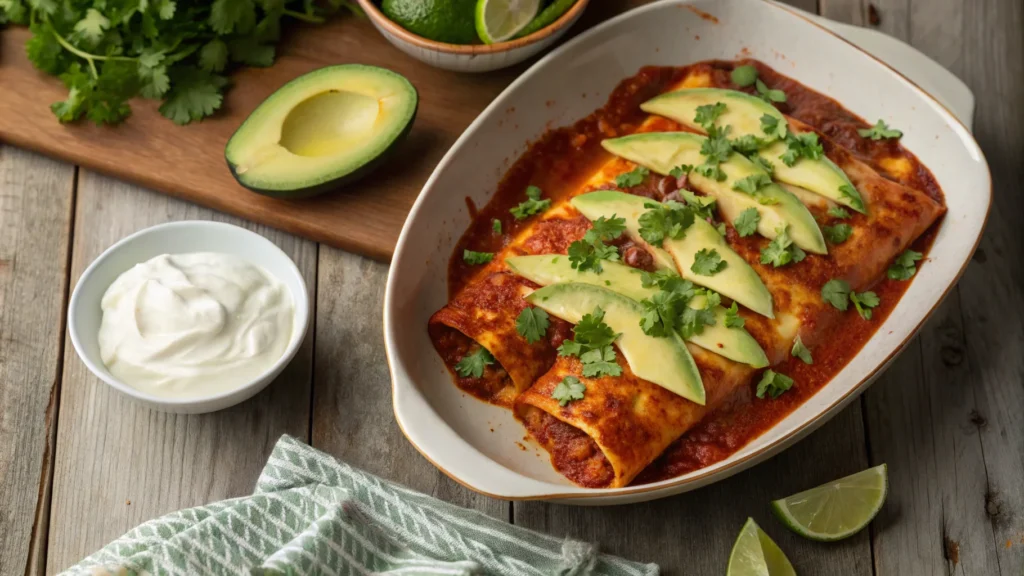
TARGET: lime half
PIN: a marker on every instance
(546, 17)
(755, 554)
(499, 20)
(835, 510)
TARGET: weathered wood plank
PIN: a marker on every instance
(36, 198)
(693, 533)
(352, 415)
(119, 464)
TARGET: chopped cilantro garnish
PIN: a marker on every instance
(838, 212)
(764, 164)
(569, 389)
(532, 205)
(781, 250)
(472, 365)
(634, 177)
(880, 131)
(903, 268)
(665, 280)
(592, 343)
(864, 302)
(733, 318)
(496, 226)
(702, 206)
(769, 95)
(773, 384)
(774, 128)
(606, 228)
(746, 223)
(711, 172)
(474, 258)
(532, 324)
(694, 320)
(670, 219)
(586, 254)
(744, 76)
(801, 351)
(681, 170)
(751, 184)
(717, 147)
(837, 234)
(663, 312)
(837, 293)
(798, 146)
(747, 144)
(708, 113)
(708, 262)
(851, 194)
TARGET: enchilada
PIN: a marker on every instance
(614, 427)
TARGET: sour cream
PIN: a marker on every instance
(194, 325)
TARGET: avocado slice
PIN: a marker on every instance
(733, 343)
(742, 111)
(610, 203)
(663, 361)
(322, 130)
(743, 114)
(663, 151)
(737, 280)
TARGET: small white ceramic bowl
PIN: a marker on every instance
(85, 315)
(471, 57)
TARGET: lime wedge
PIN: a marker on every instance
(755, 554)
(499, 20)
(546, 17)
(835, 510)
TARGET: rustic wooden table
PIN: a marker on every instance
(79, 464)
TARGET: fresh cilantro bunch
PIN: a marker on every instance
(109, 51)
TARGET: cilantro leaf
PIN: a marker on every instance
(717, 147)
(852, 195)
(838, 212)
(904, 268)
(532, 324)
(91, 28)
(880, 131)
(532, 205)
(781, 250)
(496, 226)
(798, 146)
(733, 318)
(800, 351)
(763, 163)
(746, 223)
(585, 255)
(592, 331)
(708, 113)
(476, 258)
(680, 171)
(747, 144)
(570, 388)
(664, 220)
(774, 127)
(769, 95)
(592, 343)
(472, 365)
(864, 302)
(836, 292)
(751, 184)
(711, 172)
(693, 320)
(773, 384)
(570, 348)
(606, 228)
(195, 94)
(708, 262)
(600, 362)
(213, 56)
(227, 16)
(837, 234)
(702, 206)
(634, 177)
(744, 76)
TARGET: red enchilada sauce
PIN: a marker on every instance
(562, 160)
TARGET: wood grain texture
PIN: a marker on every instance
(119, 464)
(693, 533)
(36, 196)
(352, 415)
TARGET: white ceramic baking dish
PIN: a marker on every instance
(453, 430)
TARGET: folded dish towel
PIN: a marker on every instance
(312, 514)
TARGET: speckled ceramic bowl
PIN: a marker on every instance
(471, 57)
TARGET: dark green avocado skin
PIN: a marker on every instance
(336, 183)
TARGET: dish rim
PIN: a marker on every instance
(783, 441)
(301, 320)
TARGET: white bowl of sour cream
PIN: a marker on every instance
(189, 317)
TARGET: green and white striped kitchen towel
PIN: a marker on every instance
(312, 514)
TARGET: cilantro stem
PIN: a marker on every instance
(90, 58)
(304, 17)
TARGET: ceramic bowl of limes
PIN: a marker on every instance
(472, 35)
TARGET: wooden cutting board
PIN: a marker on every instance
(188, 161)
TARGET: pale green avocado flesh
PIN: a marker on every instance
(733, 343)
(322, 130)
(663, 361)
(629, 207)
(743, 114)
(779, 209)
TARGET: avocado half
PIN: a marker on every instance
(322, 130)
